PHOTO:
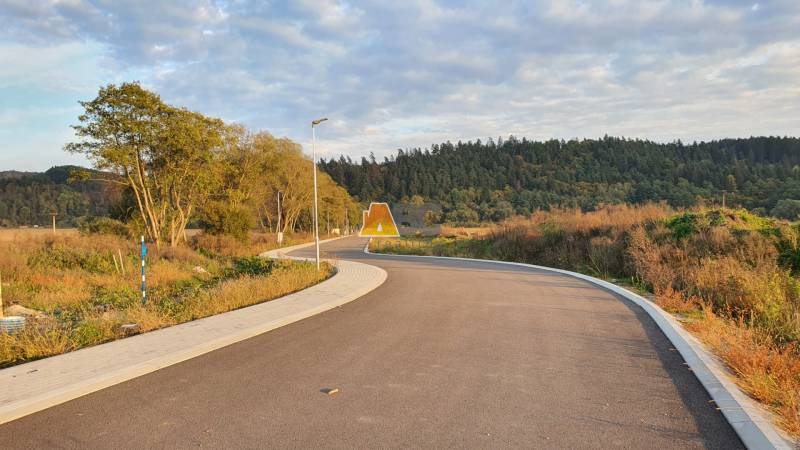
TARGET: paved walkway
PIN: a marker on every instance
(31, 387)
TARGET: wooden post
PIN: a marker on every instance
(121, 264)
(53, 215)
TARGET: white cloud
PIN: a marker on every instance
(399, 74)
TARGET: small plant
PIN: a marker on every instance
(254, 266)
(683, 225)
(103, 225)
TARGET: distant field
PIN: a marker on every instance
(12, 234)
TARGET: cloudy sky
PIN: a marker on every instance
(400, 74)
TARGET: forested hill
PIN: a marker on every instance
(491, 180)
(28, 198)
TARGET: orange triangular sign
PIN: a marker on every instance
(378, 222)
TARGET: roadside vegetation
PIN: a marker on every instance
(79, 290)
(729, 275)
(203, 193)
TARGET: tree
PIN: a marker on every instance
(160, 152)
(787, 209)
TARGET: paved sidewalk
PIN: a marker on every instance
(31, 387)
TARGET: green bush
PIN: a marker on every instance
(683, 225)
(102, 225)
(89, 332)
(220, 218)
(253, 266)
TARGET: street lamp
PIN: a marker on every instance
(314, 123)
(278, 229)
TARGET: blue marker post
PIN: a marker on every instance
(144, 286)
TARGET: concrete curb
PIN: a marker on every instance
(37, 385)
(747, 418)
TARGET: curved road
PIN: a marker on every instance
(444, 354)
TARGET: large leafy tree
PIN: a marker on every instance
(163, 154)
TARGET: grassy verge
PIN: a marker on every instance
(729, 276)
(79, 290)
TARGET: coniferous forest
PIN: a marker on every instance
(28, 198)
(480, 181)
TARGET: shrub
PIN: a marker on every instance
(254, 266)
(102, 225)
(233, 221)
(62, 257)
(683, 225)
(91, 332)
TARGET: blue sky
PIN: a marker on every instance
(400, 74)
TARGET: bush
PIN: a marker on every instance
(102, 225)
(254, 266)
(229, 220)
(91, 332)
(64, 258)
(683, 225)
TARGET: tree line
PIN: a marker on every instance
(481, 181)
(169, 167)
(29, 198)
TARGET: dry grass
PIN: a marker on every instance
(86, 297)
(248, 290)
(676, 302)
(258, 243)
(464, 232)
(769, 373)
(25, 234)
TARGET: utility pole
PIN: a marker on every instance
(723, 199)
(314, 123)
(53, 215)
(278, 227)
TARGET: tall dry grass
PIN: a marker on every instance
(83, 297)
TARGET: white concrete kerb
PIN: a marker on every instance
(747, 418)
(37, 385)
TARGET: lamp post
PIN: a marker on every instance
(314, 123)
(278, 230)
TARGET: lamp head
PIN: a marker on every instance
(318, 121)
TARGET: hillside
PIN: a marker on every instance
(493, 180)
(28, 198)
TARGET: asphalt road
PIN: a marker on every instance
(445, 354)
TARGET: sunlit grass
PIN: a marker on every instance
(84, 298)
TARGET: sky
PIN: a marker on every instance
(403, 74)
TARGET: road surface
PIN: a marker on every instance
(444, 354)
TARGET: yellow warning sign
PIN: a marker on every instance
(378, 222)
